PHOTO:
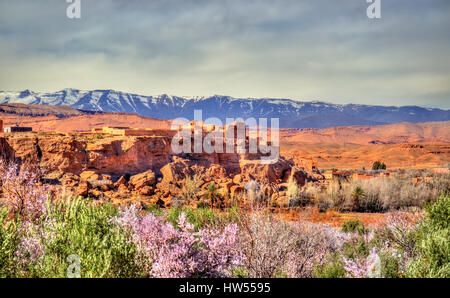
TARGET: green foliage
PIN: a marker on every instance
(281, 274)
(203, 217)
(211, 194)
(200, 217)
(202, 205)
(356, 248)
(240, 272)
(357, 195)
(334, 268)
(378, 165)
(155, 209)
(390, 266)
(438, 214)
(79, 228)
(234, 213)
(9, 240)
(354, 225)
(433, 242)
(76, 227)
(190, 188)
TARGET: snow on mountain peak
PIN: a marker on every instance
(292, 113)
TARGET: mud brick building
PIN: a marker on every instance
(13, 129)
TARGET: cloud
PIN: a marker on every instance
(324, 50)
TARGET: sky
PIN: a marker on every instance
(325, 50)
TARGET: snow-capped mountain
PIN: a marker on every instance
(292, 113)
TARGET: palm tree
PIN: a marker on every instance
(211, 194)
(357, 195)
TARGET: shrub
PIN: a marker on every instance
(200, 218)
(354, 225)
(357, 195)
(72, 227)
(438, 214)
(293, 191)
(211, 195)
(400, 232)
(333, 268)
(21, 190)
(254, 192)
(75, 227)
(391, 266)
(314, 243)
(334, 197)
(274, 248)
(9, 242)
(382, 194)
(358, 246)
(362, 267)
(378, 165)
(179, 251)
(433, 242)
(265, 243)
(296, 196)
(191, 188)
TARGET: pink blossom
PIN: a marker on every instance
(21, 190)
(362, 267)
(180, 251)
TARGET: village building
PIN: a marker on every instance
(127, 131)
(362, 176)
(441, 170)
(331, 175)
(13, 129)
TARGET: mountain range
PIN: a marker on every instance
(292, 113)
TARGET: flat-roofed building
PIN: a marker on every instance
(330, 175)
(12, 129)
(363, 176)
(126, 131)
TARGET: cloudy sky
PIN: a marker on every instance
(308, 50)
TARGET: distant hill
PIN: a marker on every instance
(292, 114)
(21, 109)
(400, 133)
(67, 119)
(402, 145)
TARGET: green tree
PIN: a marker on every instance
(211, 194)
(433, 242)
(357, 195)
(378, 165)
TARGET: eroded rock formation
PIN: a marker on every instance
(6, 151)
(122, 168)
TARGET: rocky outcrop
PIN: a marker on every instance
(54, 153)
(129, 155)
(266, 173)
(143, 183)
(7, 153)
(122, 168)
(74, 154)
